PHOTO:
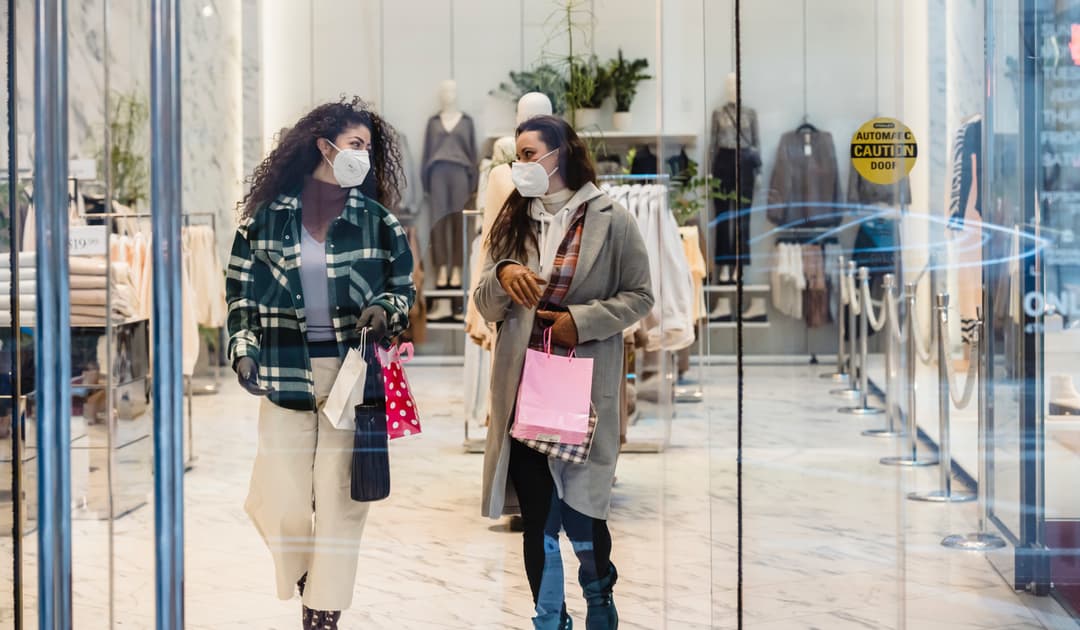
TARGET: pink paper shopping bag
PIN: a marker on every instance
(553, 397)
(402, 418)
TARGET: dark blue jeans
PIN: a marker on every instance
(544, 515)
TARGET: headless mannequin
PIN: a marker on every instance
(446, 235)
(723, 156)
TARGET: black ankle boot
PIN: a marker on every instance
(602, 614)
(324, 620)
(305, 612)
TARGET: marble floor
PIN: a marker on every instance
(828, 541)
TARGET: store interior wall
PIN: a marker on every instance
(211, 98)
(311, 52)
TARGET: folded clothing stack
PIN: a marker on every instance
(90, 280)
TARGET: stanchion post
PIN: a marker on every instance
(840, 375)
(888, 284)
(863, 408)
(852, 390)
(981, 539)
(944, 494)
(911, 454)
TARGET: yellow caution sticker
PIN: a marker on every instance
(884, 150)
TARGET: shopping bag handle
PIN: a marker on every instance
(547, 344)
(402, 352)
(363, 342)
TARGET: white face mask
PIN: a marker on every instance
(351, 166)
(531, 178)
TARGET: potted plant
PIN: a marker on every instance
(625, 77)
(589, 85)
(544, 78)
(129, 134)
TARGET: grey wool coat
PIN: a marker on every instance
(610, 292)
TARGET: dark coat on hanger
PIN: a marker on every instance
(805, 184)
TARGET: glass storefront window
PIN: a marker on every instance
(749, 151)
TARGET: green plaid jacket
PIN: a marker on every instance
(368, 262)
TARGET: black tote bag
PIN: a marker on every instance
(371, 458)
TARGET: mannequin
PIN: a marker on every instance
(449, 178)
(730, 146)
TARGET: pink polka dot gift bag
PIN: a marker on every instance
(402, 417)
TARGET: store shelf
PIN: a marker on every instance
(444, 293)
(627, 137)
(714, 325)
(730, 288)
(458, 326)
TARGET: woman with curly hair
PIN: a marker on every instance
(314, 262)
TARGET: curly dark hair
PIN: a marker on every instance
(297, 155)
(512, 231)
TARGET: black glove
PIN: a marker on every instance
(247, 374)
(374, 319)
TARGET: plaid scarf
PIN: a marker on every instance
(562, 273)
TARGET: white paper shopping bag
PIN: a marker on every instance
(348, 389)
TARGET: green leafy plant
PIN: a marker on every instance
(544, 78)
(692, 190)
(590, 84)
(129, 136)
(625, 76)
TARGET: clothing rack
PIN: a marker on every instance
(635, 177)
(807, 235)
(214, 386)
(191, 390)
(665, 367)
(812, 236)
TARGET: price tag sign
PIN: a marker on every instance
(87, 240)
(85, 170)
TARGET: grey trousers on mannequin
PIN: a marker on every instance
(300, 499)
(449, 194)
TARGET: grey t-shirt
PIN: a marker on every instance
(316, 288)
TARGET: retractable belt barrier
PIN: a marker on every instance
(851, 392)
(841, 373)
(945, 493)
(862, 306)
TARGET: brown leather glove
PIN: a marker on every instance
(563, 328)
(521, 284)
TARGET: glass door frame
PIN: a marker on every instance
(1028, 566)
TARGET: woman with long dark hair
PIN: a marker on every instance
(562, 256)
(315, 261)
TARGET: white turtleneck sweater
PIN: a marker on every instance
(553, 212)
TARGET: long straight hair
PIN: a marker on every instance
(512, 231)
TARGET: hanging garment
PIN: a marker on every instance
(691, 239)
(965, 219)
(417, 330)
(412, 193)
(876, 244)
(964, 193)
(832, 253)
(724, 132)
(816, 295)
(787, 280)
(670, 324)
(207, 275)
(456, 146)
(865, 192)
(805, 184)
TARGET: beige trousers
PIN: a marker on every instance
(299, 499)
